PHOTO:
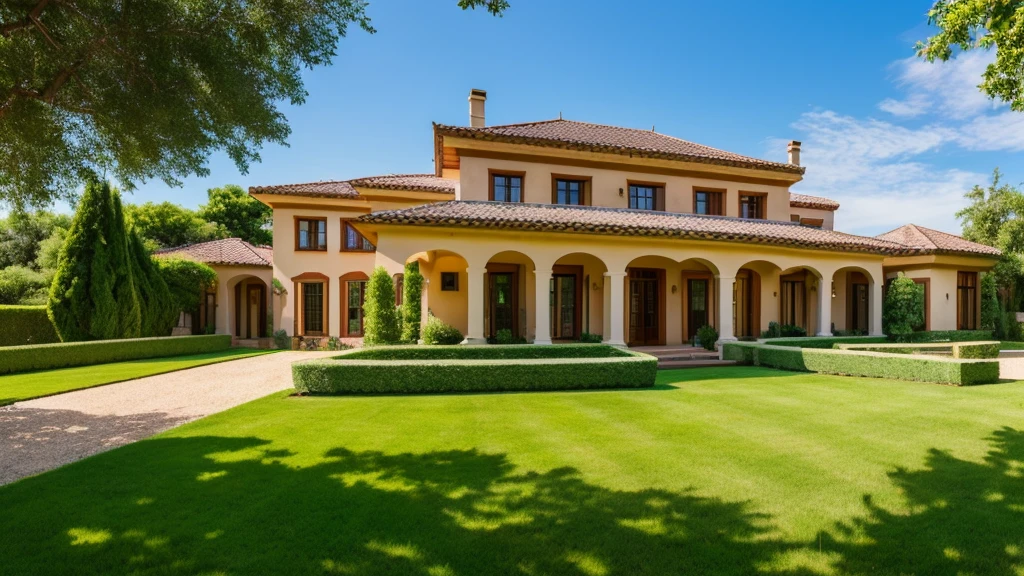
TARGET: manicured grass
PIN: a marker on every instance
(17, 387)
(1010, 345)
(717, 470)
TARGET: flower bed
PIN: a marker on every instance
(416, 370)
(957, 372)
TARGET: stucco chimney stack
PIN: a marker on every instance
(477, 98)
(794, 152)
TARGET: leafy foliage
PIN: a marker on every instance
(21, 285)
(983, 24)
(903, 308)
(22, 232)
(167, 225)
(791, 331)
(989, 302)
(995, 217)
(412, 293)
(383, 323)
(708, 336)
(239, 215)
(25, 325)
(186, 280)
(590, 338)
(282, 340)
(774, 330)
(158, 312)
(149, 89)
(439, 332)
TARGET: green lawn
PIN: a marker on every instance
(17, 387)
(1010, 345)
(727, 470)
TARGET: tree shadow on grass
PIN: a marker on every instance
(962, 517)
(238, 505)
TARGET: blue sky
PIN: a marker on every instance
(893, 139)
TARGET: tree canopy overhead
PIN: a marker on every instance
(984, 24)
(150, 88)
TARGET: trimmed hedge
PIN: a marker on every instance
(21, 325)
(964, 350)
(951, 336)
(491, 352)
(49, 356)
(867, 364)
(827, 341)
(346, 375)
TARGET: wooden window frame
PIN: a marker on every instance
(343, 286)
(299, 319)
(585, 192)
(346, 223)
(763, 202)
(297, 220)
(722, 195)
(492, 172)
(456, 276)
(659, 194)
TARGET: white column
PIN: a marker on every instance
(875, 307)
(825, 306)
(725, 320)
(225, 313)
(613, 283)
(542, 303)
(475, 301)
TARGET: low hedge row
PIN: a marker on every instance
(826, 341)
(962, 350)
(348, 376)
(49, 356)
(867, 364)
(951, 336)
(20, 325)
(490, 352)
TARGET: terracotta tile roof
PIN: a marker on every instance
(808, 201)
(573, 135)
(623, 222)
(229, 251)
(346, 188)
(928, 241)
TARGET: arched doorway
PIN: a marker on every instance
(576, 297)
(698, 291)
(851, 299)
(249, 308)
(755, 298)
(510, 290)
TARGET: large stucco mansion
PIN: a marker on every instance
(556, 228)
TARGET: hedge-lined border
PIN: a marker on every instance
(23, 325)
(961, 350)
(15, 359)
(867, 364)
(825, 342)
(341, 375)
(489, 352)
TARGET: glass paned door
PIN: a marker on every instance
(698, 291)
(502, 302)
(644, 328)
(563, 306)
(859, 301)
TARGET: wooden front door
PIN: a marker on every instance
(644, 308)
(697, 306)
(566, 302)
(255, 306)
(504, 296)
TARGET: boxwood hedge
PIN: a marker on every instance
(964, 350)
(48, 356)
(491, 352)
(531, 371)
(869, 364)
(826, 341)
(20, 325)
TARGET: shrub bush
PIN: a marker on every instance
(412, 292)
(866, 364)
(504, 336)
(791, 331)
(708, 336)
(438, 332)
(489, 352)
(186, 280)
(588, 338)
(65, 354)
(902, 309)
(973, 350)
(774, 330)
(950, 336)
(21, 325)
(990, 308)
(282, 341)
(22, 285)
(965, 350)
(1013, 328)
(382, 321)
(828, 341)
(349, 376)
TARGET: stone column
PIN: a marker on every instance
(224, 315)
(825, 307)
(542, 303)
(725, 319)
(475, 301)
(875, 307)
(614, 284)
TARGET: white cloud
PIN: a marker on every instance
(1004, 131)
(912, 107)
(951, 87)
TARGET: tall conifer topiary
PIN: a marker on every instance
(158, 313)
(412, 291)
(382, 321)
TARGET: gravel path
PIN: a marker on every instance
(1011, 365)
(45, 433)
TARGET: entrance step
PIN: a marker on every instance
(676, 364)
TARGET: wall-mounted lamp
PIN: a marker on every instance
(675, 288)
(947, 295)
(596, 287)
(775, 294)
(833, 289)
(621, 192)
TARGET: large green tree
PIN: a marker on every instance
(995, 217)
(93, 295)
(147, 89)
(238, 214)
(166, 225)
(988, 25)
(156, 304)
(21, 233)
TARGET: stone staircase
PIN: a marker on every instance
(683, 357)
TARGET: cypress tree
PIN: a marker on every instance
(158, 313)
(93, 295)
(382, 321)
(412, 291)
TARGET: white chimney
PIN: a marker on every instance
(477, 98)
(794, 152)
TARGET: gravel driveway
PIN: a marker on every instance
(1011, 365)
(42, 434)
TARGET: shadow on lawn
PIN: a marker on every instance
(198, 505)
(961, 517)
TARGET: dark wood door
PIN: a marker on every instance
(503, 292)
(564, 306)
(859, 308)
(697, 306)
(255, 311)
(644, 312)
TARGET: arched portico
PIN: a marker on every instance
(244, 303)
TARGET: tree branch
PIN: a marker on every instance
(29, 20)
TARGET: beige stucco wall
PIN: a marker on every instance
(828, 217)
(474, 185)
(230, 276)
(942, 295)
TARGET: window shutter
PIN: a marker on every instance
(659, 199)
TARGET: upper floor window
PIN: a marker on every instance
(708, 202)
(354, 241)
(646, 196)
(752, 206)
(311, 234)
(570, 191)
(507, 186)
